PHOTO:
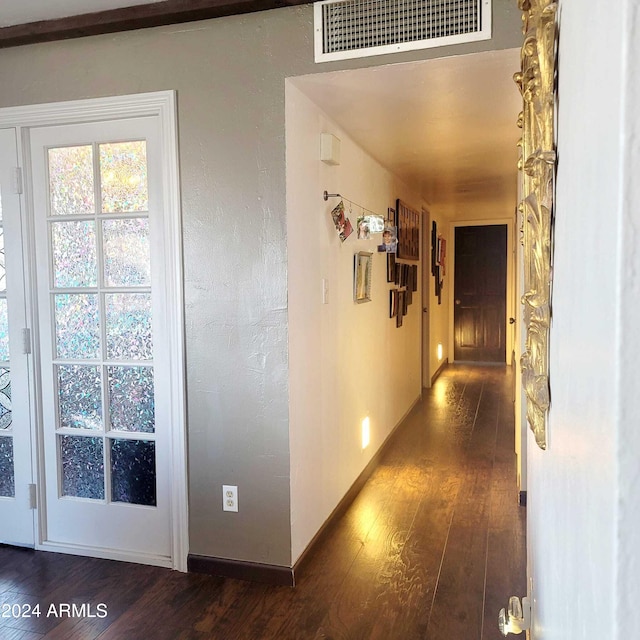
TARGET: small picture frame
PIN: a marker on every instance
(363, 262)
(393, 303)
(389, 239)
(391, 267)
(400, 314)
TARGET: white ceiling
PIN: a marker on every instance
(447, 126)
(14, 12)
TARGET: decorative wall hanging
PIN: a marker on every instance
(408, 232)
(364, 230)
(537, 169)
(391, 267)
(342, 224)
(437, 255)
(362, 276)
(393, 302)
(400, 314)
(389, 240)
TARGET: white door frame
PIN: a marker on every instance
(161, 104)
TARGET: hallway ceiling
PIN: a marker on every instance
(447, 127)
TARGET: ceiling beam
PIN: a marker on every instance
(138, 17)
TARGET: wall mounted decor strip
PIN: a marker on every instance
(536, 81)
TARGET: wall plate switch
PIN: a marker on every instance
(325, 291)
(229, 497)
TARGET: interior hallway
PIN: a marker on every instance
(431, 548)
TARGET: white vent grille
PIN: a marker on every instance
(356, 28)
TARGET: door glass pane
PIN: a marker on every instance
(7, 477)
(74, 254)
(133, 471)
(131, 403)
(82, 467)
(77, 325)
(123, 177)
(71, 186)
(118, 246)
(126, 252)
(5, 399)
(79, 397)
(128, 326)
(3, 273)
(4, 331)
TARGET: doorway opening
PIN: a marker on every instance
(441, 131)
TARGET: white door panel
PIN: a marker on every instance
(98, 227)
(16, 513)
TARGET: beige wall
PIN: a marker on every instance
(439, 313)
(229, 75)
(347, 361)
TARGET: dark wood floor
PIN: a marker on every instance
(431, 548)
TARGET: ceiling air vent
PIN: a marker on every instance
(356, 28)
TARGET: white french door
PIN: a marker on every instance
(92, 424)
(97, 205)
(17, 495)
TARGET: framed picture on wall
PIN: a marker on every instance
(362, 276)
(400, 314)
(391, 267)
(408, 232)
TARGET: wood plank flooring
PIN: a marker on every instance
(432, 548)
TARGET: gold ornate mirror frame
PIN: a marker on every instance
(537, 170)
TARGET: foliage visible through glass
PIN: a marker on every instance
(128, 326)
(126, 252)
(4, 331)
(123, 177)
(5, 399)
(3, 273)
(131, 399)
(77, 325)
(133, 471)
(74, 254)
(71, 186)
(7, 477)
(79, 396)
(82, 467)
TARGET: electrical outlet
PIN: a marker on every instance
(229, 497)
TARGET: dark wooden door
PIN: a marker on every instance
(480, 290)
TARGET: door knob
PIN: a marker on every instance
(457, 301)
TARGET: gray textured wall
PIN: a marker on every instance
(229, 74)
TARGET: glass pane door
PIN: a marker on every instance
(16, 514)
(101, 305)
(7, 469)
(96, 196)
